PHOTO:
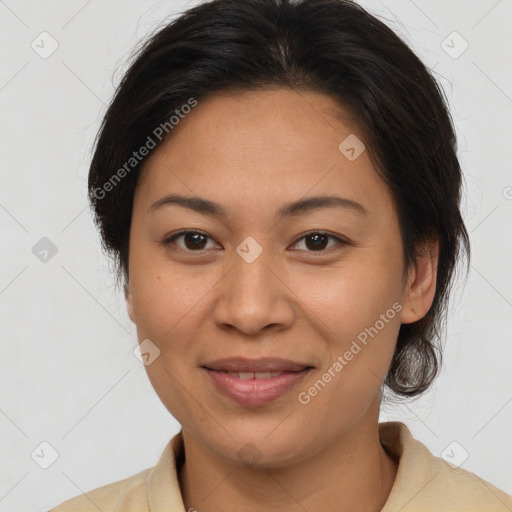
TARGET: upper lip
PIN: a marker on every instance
(266, 364)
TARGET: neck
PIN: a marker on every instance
(353, 473)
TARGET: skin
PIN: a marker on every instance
(252, 152)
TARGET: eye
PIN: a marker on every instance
(194, 240)
(316, 241)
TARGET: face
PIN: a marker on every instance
(308, 286)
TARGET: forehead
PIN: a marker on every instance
(278, 118)
(275, 144)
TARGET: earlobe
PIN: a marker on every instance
(421, 284)
(129, 305)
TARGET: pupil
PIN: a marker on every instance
(317, 243)
(194, 245)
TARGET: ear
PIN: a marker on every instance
(420, 289)
(129, 304)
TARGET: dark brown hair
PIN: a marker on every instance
(330, 46)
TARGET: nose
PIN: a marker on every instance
(254, 296)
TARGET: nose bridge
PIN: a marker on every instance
(251, 262)
(250, 294)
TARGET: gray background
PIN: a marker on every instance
(67, 371)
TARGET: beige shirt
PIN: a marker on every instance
(423, 483)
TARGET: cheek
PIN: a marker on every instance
(357, 308)
(362, 315)
(166, 304)
(353, 294)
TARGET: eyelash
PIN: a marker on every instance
(169, 241)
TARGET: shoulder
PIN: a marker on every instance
(153, 489)
(458, 486)
(425, 482)
(126, 495)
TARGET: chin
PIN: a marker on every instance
(264, 449)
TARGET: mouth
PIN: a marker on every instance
(252, 375)
(262, 368)
(258, 381)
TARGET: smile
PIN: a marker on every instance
(253, 389)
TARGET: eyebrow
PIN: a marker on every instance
(309, 204)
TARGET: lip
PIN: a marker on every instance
(264, 364)
(255, 392)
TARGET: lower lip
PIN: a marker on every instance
(254, 392)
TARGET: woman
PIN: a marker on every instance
(279, 187)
